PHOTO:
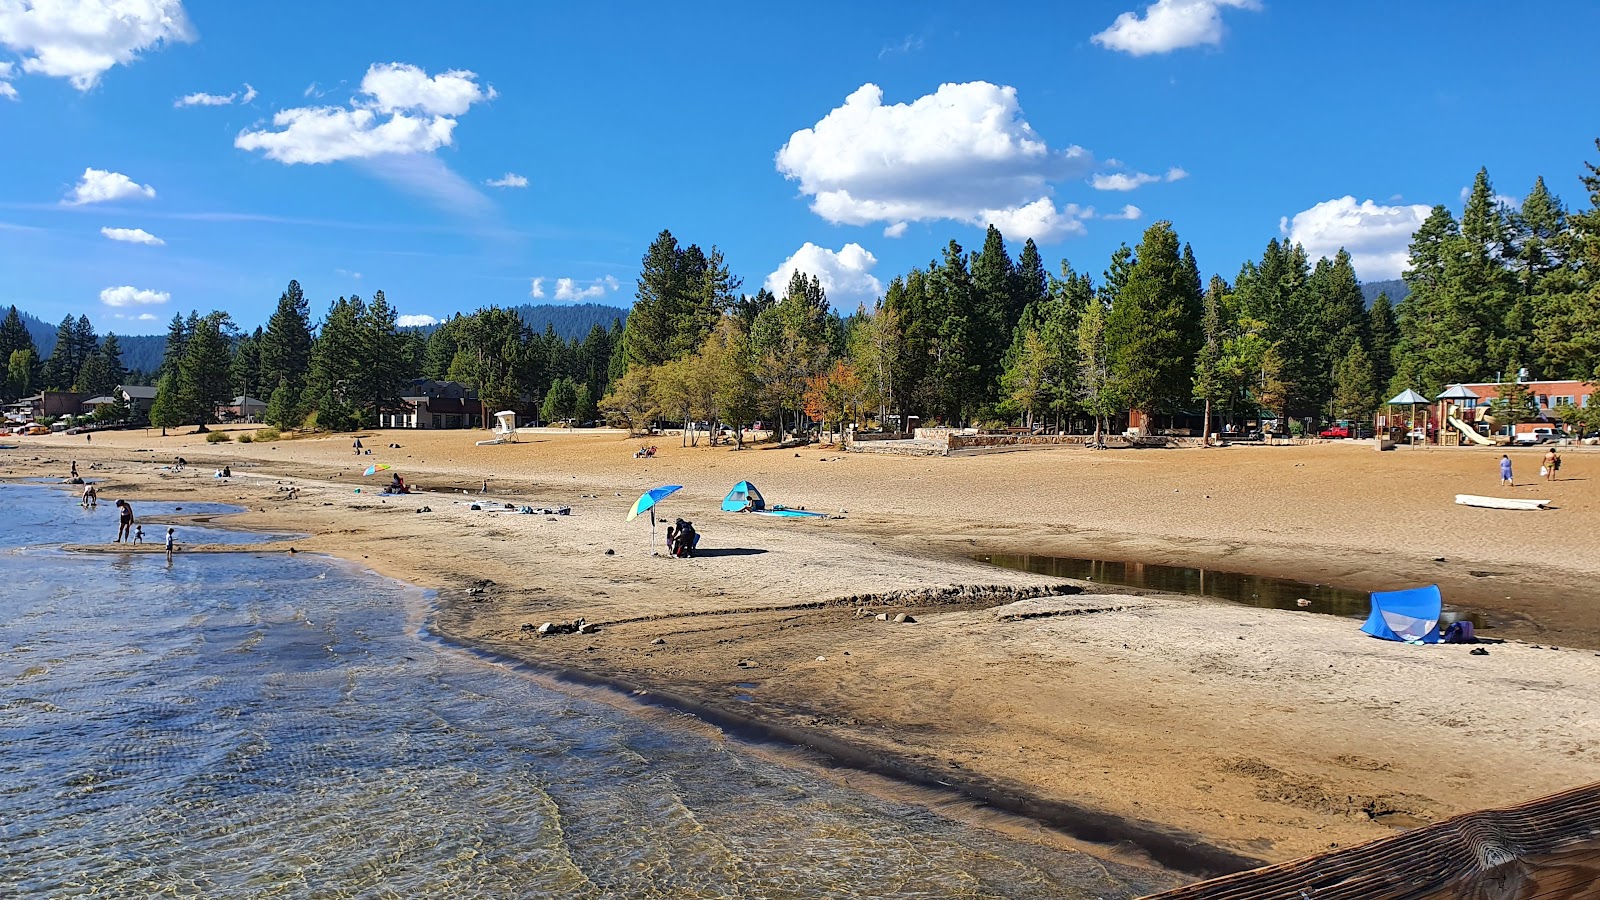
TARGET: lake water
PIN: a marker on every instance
(254, 725)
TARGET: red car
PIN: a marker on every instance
(1334, 431)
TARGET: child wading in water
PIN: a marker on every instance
(138, 534)
(170, 538)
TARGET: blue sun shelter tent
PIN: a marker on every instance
(1411, 615)
(743, 498)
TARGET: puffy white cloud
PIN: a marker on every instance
(250, 93)
(391, 87)
(1169, 25)
(6, 90)
(1122, 181)
(132, 236)
(537, 291)
(571, 290)
(508, 180)
(147, 317)
(1129, 213)
(399, 110)
(898, 229)
(1377, 237)
(132, 296)
(845, 275)
(81, 39)
(1177, 174)
(1039, 220)
(960, 153)
(415, 321)
(324, 134)
(100, 186)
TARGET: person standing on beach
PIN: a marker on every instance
(1505, 470)
(74, 468)
(124, 521)
(171, 537)
(1547, 467)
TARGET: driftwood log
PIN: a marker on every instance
(1548, 849)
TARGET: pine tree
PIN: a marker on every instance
(1033, 282)
(1150, 330)
(382, 360)
(245, 371)
(958, 363)
(561, 401)
(172, 355)
(202, 383)
(14, 336)
(116, 372)
(286, 344)
(61, 369)
(1381, 337)
(996, 308)
(165, 412)
(1210, 382)
(1355, 394)
(1095, 384)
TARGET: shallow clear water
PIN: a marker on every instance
(250, 725)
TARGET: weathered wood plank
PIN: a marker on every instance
(1547, 849)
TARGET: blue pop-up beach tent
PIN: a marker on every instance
(1411, 615)
(743, 497)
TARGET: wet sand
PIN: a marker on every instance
(1265, 733)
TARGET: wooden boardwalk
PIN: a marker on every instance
(1548, 849)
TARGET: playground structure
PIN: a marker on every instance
(505, 429)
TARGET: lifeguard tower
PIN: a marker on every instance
(505, 429)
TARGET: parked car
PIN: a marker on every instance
(1334, 431)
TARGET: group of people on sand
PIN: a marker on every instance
(1548, 467)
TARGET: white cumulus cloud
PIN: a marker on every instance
(1177, 174)
(132, 236)
(393, 87)
(80, 40)
(6, 90)
(508, 180)
(1377, 237)
(398, 110)
(132, 296)
(845, 275)
(415, 321)
(537, 291)
(1039, 220)
(1169, 25)
(101, 186)
(898, 229)
(961, 153)
(1129, 213)
(571, 290)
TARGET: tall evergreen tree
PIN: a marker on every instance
(14, 336)
(1381, 337)
(285, 348)
(997, 305)
(203, 377)
(1150, 330)
(172, 354)
(245, 371)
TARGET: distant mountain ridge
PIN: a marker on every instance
(1396, 288)
(143, 352)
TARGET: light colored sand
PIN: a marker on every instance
(1273, 733)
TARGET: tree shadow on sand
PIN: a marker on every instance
(728, 551)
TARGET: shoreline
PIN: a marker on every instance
(1105, 705)
(1092, 831)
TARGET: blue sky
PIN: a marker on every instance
(359, 155)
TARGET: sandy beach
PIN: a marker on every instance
(1267, 734)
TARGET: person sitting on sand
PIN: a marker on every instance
(1505, 470)
(397, 485)
(124, 520)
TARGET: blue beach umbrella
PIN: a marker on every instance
(648, 501)
(650, 498)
